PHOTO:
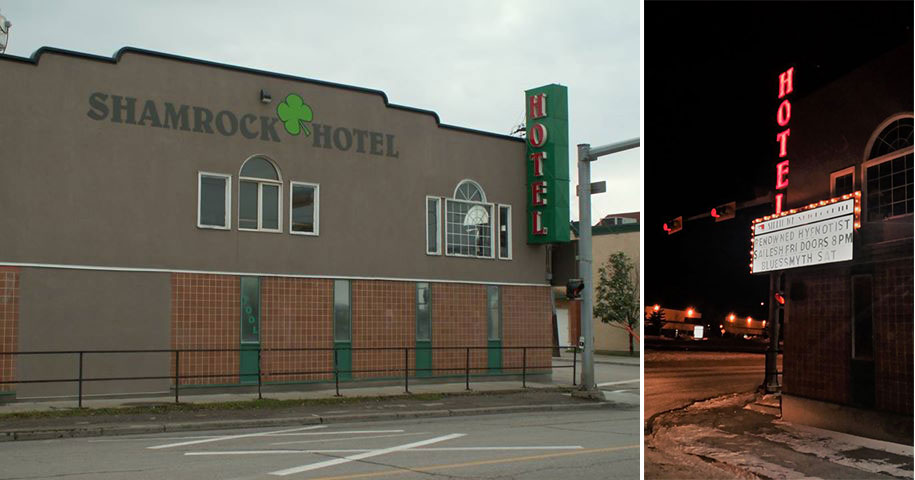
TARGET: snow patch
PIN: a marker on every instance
(721, 402)
(833, 450)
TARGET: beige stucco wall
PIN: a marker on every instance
(609, 337)
(82, 191)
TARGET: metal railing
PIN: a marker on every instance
(337, 372)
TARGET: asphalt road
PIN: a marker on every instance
(584, 445)
(675, 379)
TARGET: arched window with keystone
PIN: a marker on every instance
(260, 189)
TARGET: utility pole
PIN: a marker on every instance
(586, 155)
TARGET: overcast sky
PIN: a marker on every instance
(469, 61)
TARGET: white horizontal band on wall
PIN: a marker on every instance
(259, 274)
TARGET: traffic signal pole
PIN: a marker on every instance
(586, 155)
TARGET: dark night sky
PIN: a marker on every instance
(710, 89)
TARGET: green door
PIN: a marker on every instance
(494, 329)
(423, 358)
(423, 331)
(344, 356)
(494, 357)
(250, 329)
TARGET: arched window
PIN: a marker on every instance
(888, 169)
(470, 191)
(259, 191)
(469, 222)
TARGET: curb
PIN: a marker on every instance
(619, 363)
(99, 431)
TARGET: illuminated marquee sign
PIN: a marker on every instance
(819, 233)
(782, 117)
(547, 164)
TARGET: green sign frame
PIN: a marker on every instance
(547, 114)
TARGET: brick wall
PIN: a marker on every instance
(297, 313)
(9, 323)
(893, 325)
(817, 361)
(526, 322)
(465, 308)
(817, 358)
(205, 314)
(384, 315)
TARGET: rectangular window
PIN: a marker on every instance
(505, 232)
(469, 228)
(494, 312)
(303, 208)
(247, 205)
(423, 312)
(842, 182)
(342, 311)
(259, 206)
(888, 187)
(213, 200)
(433, 226)
(862, 331)
(270, 207)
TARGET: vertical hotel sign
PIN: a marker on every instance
(547, 164)
(783, 117)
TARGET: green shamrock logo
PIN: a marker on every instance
(294, 112)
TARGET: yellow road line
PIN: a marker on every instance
(480, 462)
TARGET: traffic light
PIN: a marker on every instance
(724, 212)
(674, 225)
(574, 286)
(780, 298)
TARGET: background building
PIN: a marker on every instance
(614, 233)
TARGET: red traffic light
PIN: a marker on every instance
(779, 298)
(674, 225)
(724, 212)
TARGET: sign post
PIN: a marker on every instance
(586, 155)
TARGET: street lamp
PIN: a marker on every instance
(586, 155)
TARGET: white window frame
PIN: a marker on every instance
(438, 225)
(228, 197)
(492, 223)
(317, 188)
(476, 184)
(841, 173)
(870, 163)
(508, 230)
(260, 197)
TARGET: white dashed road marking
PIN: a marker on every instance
(233, 437)
(368, 454)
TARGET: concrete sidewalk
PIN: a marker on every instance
(359, 401)
(739, 436)
(202, 414)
